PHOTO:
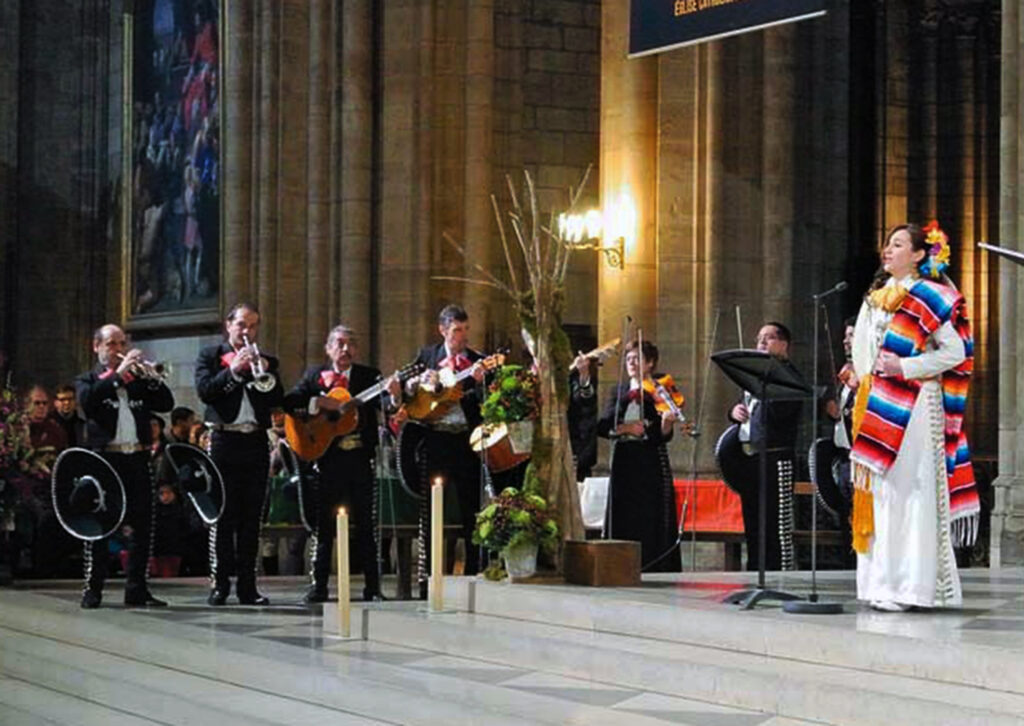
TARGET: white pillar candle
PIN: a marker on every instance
(344, 587)
(437, 545)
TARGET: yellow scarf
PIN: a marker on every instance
(862, 519)
(888, 298)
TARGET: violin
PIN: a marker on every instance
(667, 397)
(665, 394)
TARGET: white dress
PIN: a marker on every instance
(910, 557)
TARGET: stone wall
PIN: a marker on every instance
(57, 189)
(1007, 537)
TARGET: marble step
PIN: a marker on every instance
(178, 668)
(758, 682)
(27, 704)
(918, 645)
(116, 689)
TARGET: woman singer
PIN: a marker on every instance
(914, 492)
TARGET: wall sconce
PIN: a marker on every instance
(585, 232)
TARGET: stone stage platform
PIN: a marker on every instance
(666, 652)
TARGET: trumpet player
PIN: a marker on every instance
(239, 386)
(117, 402)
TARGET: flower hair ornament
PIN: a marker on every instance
(937, 259)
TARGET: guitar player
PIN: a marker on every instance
(345, 468)
(444, 449)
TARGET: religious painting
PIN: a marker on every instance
(172, 184)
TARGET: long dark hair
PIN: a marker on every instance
(918, 241)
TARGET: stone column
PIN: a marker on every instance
(778, 176)
(1007, 534)
(237, 275)
(322, 259)
(265, 176)
(353, 149)
(479, 146)
(628, 177)
(406, 203)
(9, 47)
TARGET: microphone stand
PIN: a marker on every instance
(381, 475)
(613, 437)
(692, 489)
(811, 606)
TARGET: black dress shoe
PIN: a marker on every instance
(91, 599)
(143, 599)
(314, 595)
(253, 599)
(217, 597)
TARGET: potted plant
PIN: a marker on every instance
(515, 524)
(512, 401)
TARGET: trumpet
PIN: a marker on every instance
(151, 369)
(262, 380)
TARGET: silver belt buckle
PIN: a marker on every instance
(122, 448)
(350, 443)
(242, 428)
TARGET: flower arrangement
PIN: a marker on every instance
(937, 260)
(515, 518)
(18, 459)
(16, 453)
(512, 396)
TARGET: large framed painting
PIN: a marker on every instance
(171, 222)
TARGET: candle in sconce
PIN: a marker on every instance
(437, 545)
(344, 587)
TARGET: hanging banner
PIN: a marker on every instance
(660, 25)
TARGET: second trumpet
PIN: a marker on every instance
(262, 380)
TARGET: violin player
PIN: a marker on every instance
(641, 503)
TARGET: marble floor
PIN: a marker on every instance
(193, 664)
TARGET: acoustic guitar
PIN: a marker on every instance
(311, 436)
(431, 404)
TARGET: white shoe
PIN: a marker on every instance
(888, 606)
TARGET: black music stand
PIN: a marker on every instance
(768, 379)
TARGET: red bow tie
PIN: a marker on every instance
(331, 379)
(456, 362)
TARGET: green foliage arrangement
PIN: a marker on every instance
(512, 396)
(515, 518)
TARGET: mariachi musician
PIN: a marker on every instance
(117, 398)
(641, 499)
(772, 426)
(346, 467)
(240, 386)
(445, 449)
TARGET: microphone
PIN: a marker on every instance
(838, 287)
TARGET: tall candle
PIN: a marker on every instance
(344, 587)
(437, 545)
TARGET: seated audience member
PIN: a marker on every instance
(182, 419)
(65, 414)
(171, 527)
(44, 432)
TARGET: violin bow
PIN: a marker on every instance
(695, 434)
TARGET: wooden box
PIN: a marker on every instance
(602, 563)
